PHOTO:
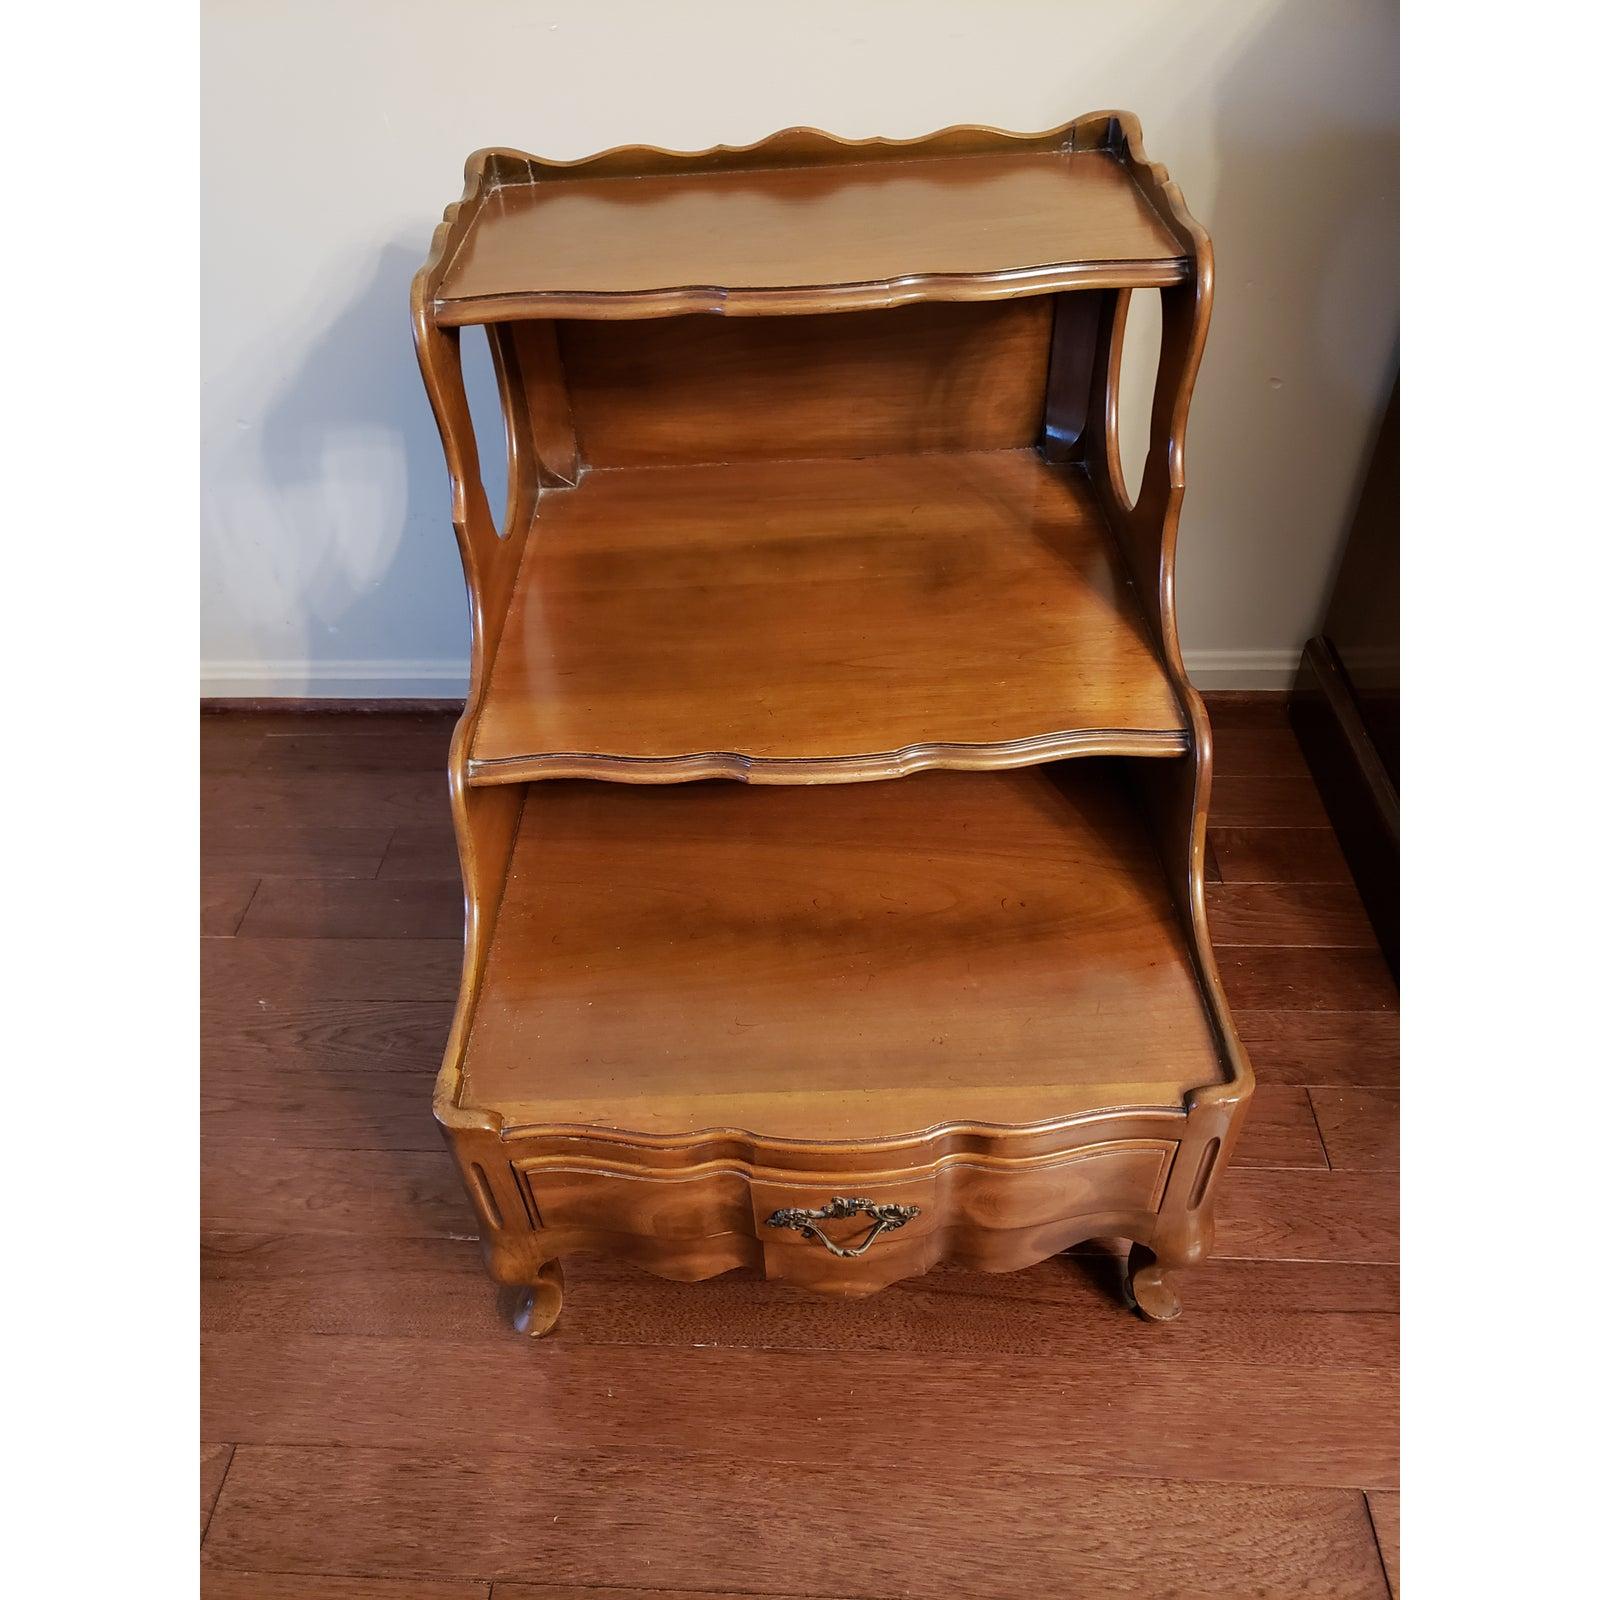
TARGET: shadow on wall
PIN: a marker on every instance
(349, 456)
(330, 525)
(1305, 219)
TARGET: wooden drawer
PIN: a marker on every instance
(967, 1209)
(1125, 1176)
(932, 1211)
(896, 1235)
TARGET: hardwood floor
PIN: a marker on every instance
(736, 1438)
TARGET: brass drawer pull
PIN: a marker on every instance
(885, 1220)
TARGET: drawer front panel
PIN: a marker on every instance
(983, 1212)
(695, 1203)
(1127, 1176)
(937, 1209)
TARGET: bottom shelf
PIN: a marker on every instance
(837, 963)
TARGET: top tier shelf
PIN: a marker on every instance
(804, 222)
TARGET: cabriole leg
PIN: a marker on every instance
(1150, 1284)
(1182, 1240)
(540, 1303)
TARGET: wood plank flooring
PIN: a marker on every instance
(963, 1435)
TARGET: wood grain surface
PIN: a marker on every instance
(773, 958)
(1359, 1127)
(341, 1276)
(792, 238)
(214, 1459)
(597, 1515)
(688, 390)
(219, 1583)
(1385, 1509)
(790, 612)
(787, 621)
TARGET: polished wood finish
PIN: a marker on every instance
(821, 621)
(220, 1584)
(349, 1339)
(989, 1003)
(809, 953)
(804, 222)
(873, 1406)
(680, 391)
(684, 1517)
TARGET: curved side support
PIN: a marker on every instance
(485, 819)
(517, 1255)
(1146, 530)
(1177, 794)
(1181, 1237)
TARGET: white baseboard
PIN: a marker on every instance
(333, 680)
(1242, 669)
(444, 680)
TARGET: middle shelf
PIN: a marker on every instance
(821, 620)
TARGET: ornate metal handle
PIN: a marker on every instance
(885, 1220)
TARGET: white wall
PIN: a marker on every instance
(334, 134)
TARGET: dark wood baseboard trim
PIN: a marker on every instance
(1361, 801)
(1219, 698)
